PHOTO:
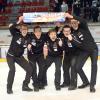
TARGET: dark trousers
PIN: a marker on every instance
(23, 63)
(95, 18)
(66, 68)
(73, 73)
(69, 70)
(80, 63)
(58, 63)
(37, 77)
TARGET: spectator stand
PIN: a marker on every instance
(14, 10)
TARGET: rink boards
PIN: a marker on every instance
(4, 49)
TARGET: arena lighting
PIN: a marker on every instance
(43, 17)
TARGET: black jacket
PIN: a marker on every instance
(54, 50)
(37, 44)
(84, 35)
(71, 47)
(18, 43)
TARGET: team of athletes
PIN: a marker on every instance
(68, 47)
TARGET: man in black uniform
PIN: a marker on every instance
(70, 42)
(70, 57)
(15, 54)
(35, 55)
(55, 52)
(89, 47)
(67, 55)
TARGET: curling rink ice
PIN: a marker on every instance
(49, 93)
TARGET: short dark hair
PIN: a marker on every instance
(23, 25)
(66, 26)
(36, 27)
(51, 30)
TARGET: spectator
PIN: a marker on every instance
(0, 5)
(4, 4)
(76, 8)
(57, 6)
(87, 12)
(95, 13)
(64, 7)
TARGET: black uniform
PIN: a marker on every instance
(70, 53)
(69, 60)
(15, 54)
(54, 55)
(89, 49)
(35, 55)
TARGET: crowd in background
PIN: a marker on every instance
(88, 9)
(3, 4)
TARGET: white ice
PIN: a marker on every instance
(49, 93)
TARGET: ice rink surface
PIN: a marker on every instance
(49, 93)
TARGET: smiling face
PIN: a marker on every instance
(66, 31)
(37, 32)
(53, 35)
(74, 24)
(24, 30)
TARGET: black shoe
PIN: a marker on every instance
(58, 88)
(64, 85)
(72, 87)
(26, 88)
(83, 85)
(41, 87)
(45, 84)
(9, 91)
(36, 89)
(92, 89)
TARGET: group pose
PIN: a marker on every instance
(68, 47)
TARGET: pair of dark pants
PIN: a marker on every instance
(58, 62)
(70, 75)
(73, 73)
(66, 68)
(23, 63)
(80, 63)
(76, 67)
(39, 59)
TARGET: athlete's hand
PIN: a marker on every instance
(29, 47)
(70, 37)
(45, 51)
(60, 43)
(20, 19)
(67, 15)
(60, 29)
(10, 25)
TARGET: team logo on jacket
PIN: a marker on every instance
(55, 47)
(80, 35)
(69, 44)
(19, 41)
(25, 44)
(33, 42)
